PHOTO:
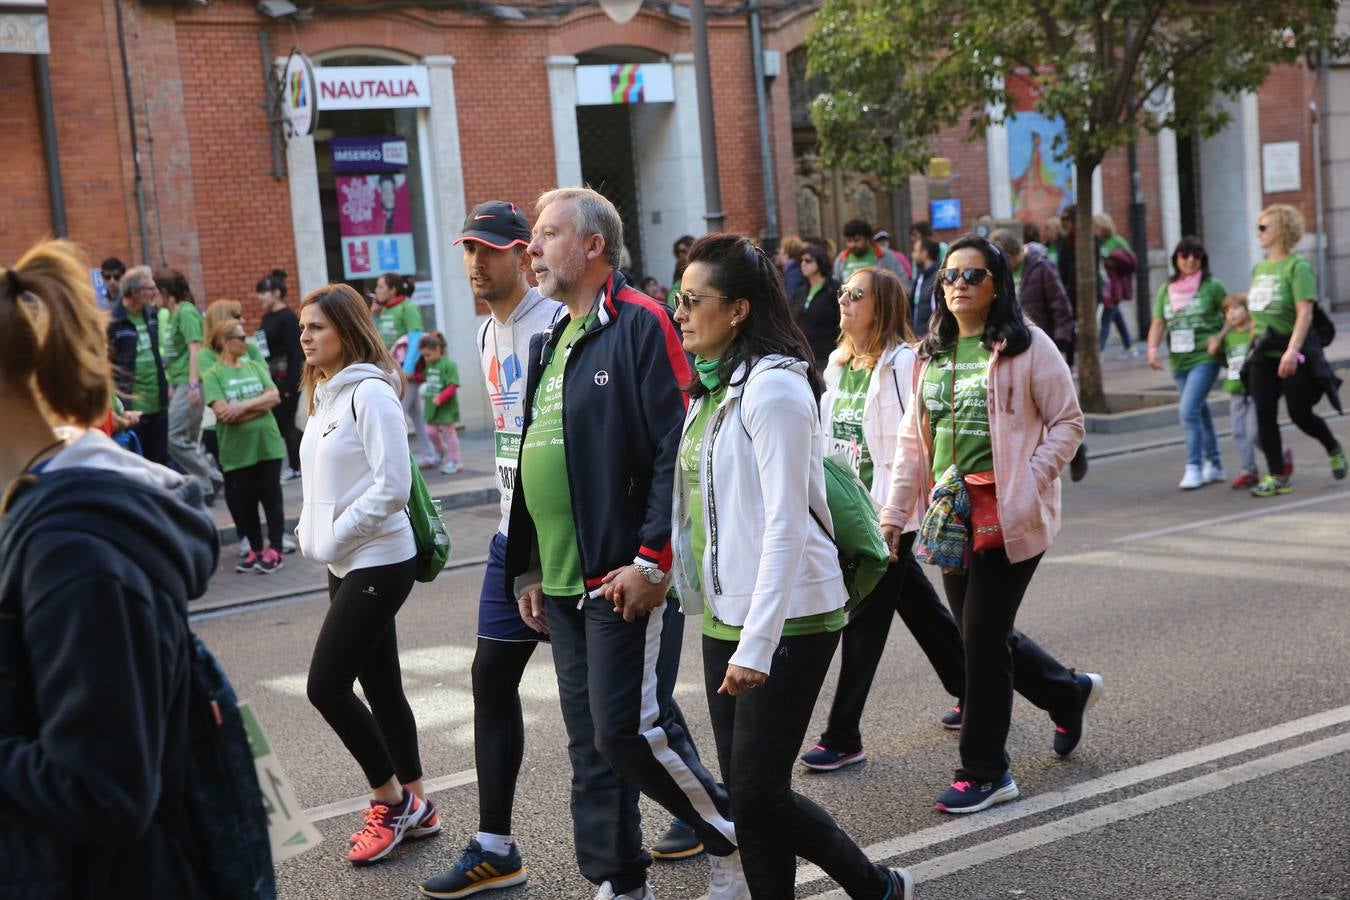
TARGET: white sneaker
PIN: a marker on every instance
(726, 879)
(606, 892)
(1192, 479)
(1212, 473)
(289, 474)
(287, 545)
(451, 468)
(244, 548)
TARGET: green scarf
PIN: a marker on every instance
(708, 372)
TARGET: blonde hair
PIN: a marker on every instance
(1287, 222)
(792, 246)
(220, 332)
(349, 315)
(218, 311)
(1105, 222)
(890, 318)
(1051, 231)
(53, 338)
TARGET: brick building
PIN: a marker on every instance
(459, 103)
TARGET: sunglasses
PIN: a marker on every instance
(235, 337)
(853, 295)
(972, 276)
(687, 300)
(1262, 228)
(1189, 254)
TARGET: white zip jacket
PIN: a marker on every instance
(357, 473)
(889, 393)
(767, 558)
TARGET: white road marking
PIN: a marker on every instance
(1031, 806)
(969, 857)
(1256, 512)
(343, 807)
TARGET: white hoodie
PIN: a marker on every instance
(357, 473)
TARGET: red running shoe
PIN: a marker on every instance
(385, 829)
(1246, 480)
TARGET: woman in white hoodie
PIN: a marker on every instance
(755, 559)
(869, 384)
(357, 479)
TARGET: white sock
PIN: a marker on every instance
(499, 844)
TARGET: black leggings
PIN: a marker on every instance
(758, 734)
(357, 641)
(904, 589)
(1265, 386)
(498, 728)
(245, 489)
(985, 599)
(285, 416)
(212, 446)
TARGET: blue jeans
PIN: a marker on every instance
(1113, 314)
(1201, 441)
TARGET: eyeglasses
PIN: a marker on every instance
(687, 300)
(972, 276)
(851, 294)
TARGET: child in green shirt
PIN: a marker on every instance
(439, 390)
(1233, 343)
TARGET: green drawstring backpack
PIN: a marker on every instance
(857, 531)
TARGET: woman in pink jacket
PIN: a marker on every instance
(997, 403)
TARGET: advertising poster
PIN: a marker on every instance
(374, 208)
(1042, 184)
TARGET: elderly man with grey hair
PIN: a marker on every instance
(588, 550)
(138, 370)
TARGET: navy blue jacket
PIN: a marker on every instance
(623, 408)
(96, 568)
(122, 350)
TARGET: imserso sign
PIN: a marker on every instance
(372, 87)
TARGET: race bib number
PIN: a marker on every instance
(508, 462)
(1261, 294)
(1181, 340)
(846, 451)
(1236, 357)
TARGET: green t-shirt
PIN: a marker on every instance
(440, 375)
(853, 263)
(1190, 328)
(185, 327)
(820, 623)
(974, 452)
(243, 444)
(393, 322)
(145, 381)
(1276, 287)
(1236, 346)
(207, 358)
(846, 428)
(672, 296)
(811, 291)
(543, 474)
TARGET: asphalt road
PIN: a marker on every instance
(1217, 764)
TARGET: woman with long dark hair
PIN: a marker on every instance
(815, 304)
(280, 329)
(869, 385)
(356, 489)
(986, 371)
(1187, 312)
(754, 558)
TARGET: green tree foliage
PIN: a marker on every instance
(899, 71)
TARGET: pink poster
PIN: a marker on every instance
(373, 204)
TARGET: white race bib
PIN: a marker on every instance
(1262, 293)
(1181, 340)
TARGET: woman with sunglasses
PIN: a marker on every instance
(998, 406)
(753, 557)
(815, 305)
(1187, 312)
(868, 386)
(240, 392)
(1286, 356)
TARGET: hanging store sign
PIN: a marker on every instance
(298, 94)
(373, 87)
(23, 27)
(625, 83)
(369, 154)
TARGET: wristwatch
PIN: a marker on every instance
(650, 574)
